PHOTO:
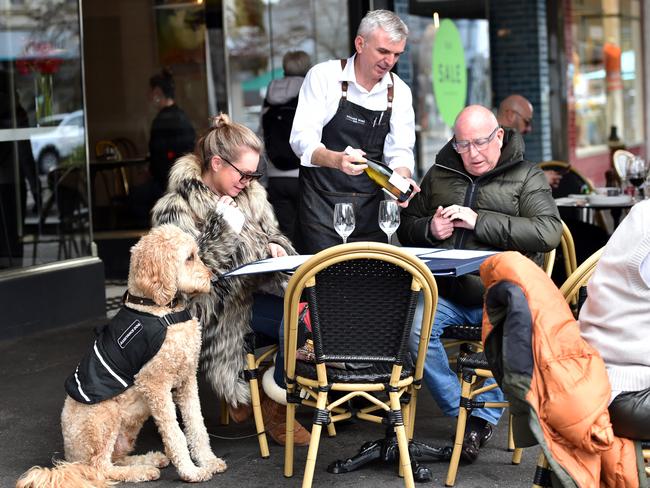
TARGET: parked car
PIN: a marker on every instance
(51, 147)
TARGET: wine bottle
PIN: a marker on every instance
(394, 184)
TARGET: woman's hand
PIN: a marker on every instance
(276, 250)
(227, 200)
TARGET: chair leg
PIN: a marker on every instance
(224, 416)
(542, 472)
(517, 452)
(288, 446)
(402, 443)
(316, 430)
(257, 409)
(460, 433)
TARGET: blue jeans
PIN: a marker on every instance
(438, 376)
(267, 321)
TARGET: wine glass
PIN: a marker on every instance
(388, 217)
(636, 173)
(344, 220)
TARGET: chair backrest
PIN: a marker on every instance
(620, 160)
(362, 298)
(568, 250)
(572, 180)
(570, 289)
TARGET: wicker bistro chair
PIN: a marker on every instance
(473, 368)
(362, 298)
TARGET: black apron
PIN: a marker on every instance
(321, 188)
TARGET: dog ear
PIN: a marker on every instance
(154, 267)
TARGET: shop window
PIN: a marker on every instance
(607, 73)
(258, 34)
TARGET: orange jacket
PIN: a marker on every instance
(553, 377)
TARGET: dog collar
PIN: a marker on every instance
(128, 298)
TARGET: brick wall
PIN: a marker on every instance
(519, 50)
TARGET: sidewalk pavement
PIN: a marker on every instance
(33, 369)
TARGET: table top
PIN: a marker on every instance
(583, 202)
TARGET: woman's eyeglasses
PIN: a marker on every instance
(244, 177)
(480, 144)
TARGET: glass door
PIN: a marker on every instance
(44, 212)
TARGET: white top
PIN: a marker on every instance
(319, 100)
(615, 318)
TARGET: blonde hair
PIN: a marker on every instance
(226, 139)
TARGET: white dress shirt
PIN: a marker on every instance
(319, 100)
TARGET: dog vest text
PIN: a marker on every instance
(121, 348)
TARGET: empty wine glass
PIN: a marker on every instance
(636, 173)
(344, 220)
(388, 217)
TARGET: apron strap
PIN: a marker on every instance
(389, 92)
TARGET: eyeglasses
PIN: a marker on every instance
(480, 144)
(527, 122)
(244, 177)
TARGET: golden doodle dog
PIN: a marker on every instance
(141, 364)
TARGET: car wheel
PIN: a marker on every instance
(49, 159)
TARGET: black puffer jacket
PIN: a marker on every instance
(515, 208)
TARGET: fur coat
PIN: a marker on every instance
(225, 312)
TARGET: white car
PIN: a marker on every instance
(66, 134)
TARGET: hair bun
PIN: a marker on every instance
(220, 120)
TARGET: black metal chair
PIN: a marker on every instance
(362, 299)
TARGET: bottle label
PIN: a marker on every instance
(399, 182)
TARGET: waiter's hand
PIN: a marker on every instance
(463, 217)
(404, 172)
(351, 165)
(441, 227)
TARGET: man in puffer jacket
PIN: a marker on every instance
(480, 194)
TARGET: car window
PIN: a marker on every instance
(77, 121)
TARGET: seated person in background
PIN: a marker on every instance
(479, 194)
(214, 195)
(615, 319)
(516, 112)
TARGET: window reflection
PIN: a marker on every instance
(43, 182)
(607, 80)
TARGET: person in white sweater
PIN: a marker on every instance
(615, 319)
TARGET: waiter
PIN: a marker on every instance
(356, 102)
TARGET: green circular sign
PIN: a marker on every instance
(448, 72)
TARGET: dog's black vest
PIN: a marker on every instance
(120, 350)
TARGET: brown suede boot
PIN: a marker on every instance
(240, 413)
(275, 422)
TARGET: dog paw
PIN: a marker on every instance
(158, 459)
(137, 474)
(215, 465)
(195, 475)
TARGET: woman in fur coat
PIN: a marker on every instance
(214, 195)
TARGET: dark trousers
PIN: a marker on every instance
(629, 413)
(283, 195)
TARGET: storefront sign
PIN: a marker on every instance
(448, 72)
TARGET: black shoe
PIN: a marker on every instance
(473, 441)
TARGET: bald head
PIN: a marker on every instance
(516, 112)
(478, 139)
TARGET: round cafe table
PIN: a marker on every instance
(614, 205)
